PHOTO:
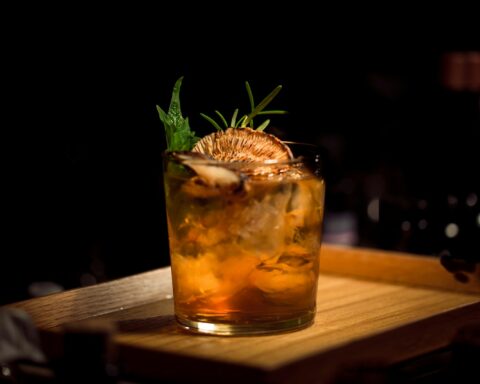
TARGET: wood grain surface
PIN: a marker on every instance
(414, 307)
(397, 267)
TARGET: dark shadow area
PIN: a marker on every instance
(399, 142)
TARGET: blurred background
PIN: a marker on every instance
(398, 124)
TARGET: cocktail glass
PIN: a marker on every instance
(244, 243)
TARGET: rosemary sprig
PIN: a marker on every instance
(234, 118)
(272, 112)
(223, 119)
(262, 105)
(240, 121)
(247, 120)
(263, 125)
(210, 120)
(250, 98)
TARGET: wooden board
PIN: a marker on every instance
(397, 267)
(356, 319)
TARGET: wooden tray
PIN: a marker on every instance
(373, 306)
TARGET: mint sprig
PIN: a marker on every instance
(177, 129)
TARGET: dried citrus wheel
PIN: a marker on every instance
(243, 144)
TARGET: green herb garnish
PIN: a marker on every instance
(177, 129)
(247, 120)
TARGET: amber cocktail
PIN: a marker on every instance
(244, 243)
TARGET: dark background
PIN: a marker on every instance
(84, 190)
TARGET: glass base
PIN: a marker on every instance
(246, 329)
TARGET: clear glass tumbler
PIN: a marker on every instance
(244, 243)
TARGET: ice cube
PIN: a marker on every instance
(290, 276)
(282, 284)
(259, 226)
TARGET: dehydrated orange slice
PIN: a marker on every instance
(243, 144)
